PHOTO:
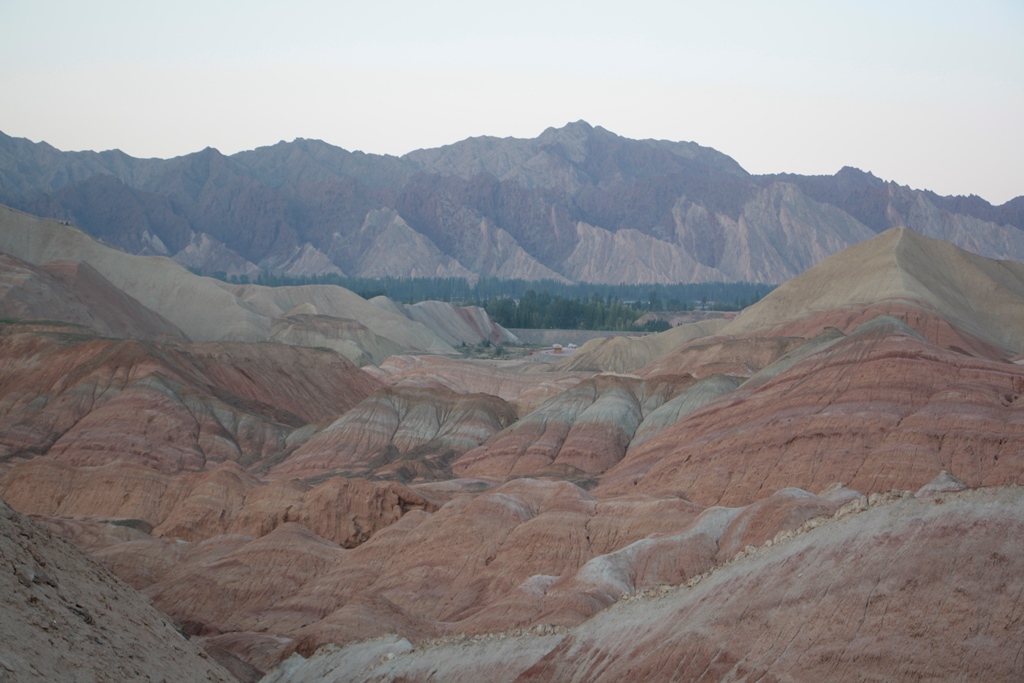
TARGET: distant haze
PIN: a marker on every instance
(928, 94)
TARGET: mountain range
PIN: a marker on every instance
(577, 203)
(209, 480)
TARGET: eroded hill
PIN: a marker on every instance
(790, 494)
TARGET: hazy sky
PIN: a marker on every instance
(930, 94)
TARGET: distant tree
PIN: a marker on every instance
(659, 325)
(653, 303)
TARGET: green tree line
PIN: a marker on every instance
(544, 311)
(719, 296)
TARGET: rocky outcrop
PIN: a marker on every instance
(579, 433)
(385, 246)
(201, 505)
(89, 401)
(628, 354)
(630, 256)
(808, 587)
(407, 434)
(64, 615)
(204, 254)
(969, 222)
(530, 553)
(456, 325)
(350, 338)
(800, 581)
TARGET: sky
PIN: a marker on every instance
(928, 94)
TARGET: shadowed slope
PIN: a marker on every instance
(64, 616)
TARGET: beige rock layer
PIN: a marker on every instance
(73, 292)
(203, 308)
(629, 354)
(982, 297)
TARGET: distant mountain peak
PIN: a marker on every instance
(575, 130)
(572, 127)
(854, 171)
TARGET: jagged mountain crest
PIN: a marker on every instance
(299, 207)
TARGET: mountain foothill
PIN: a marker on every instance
(210, 480)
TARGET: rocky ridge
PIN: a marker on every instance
(575, 203)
